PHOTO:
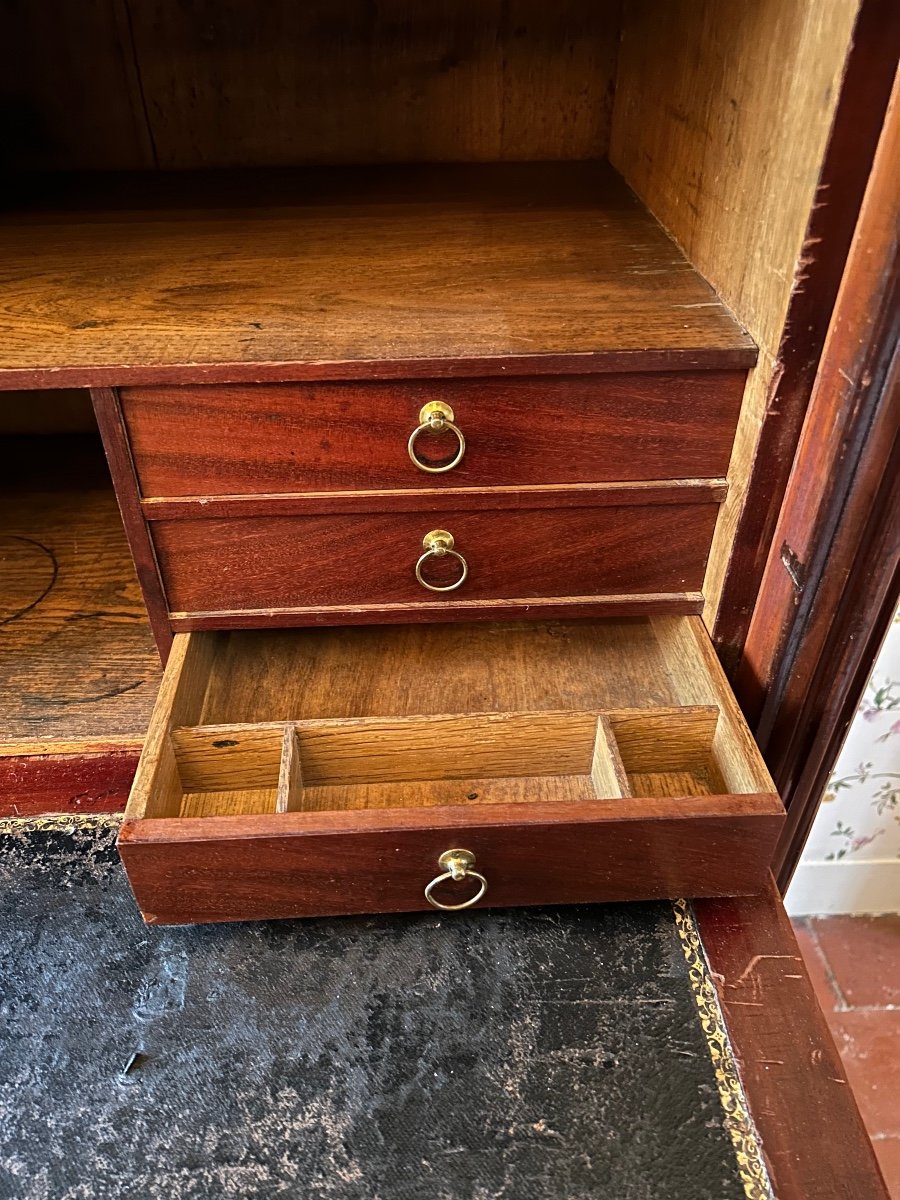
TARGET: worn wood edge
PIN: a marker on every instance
(75, 748)
(72, 783)
(111, 423)
(271, 504)
(289, 793)
(760, 811)
(676, 603)
(608, 775)
(603, 362)
(788, 1064)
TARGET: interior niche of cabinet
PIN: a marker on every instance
(716, 116)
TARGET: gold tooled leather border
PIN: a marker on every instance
(59, 822)
(738, 1121)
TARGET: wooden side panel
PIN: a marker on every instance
(844, 421)
(121, 466)
(695, 671)
(313, 864)
(241, 440)
(295, 562)
(157, 789)
(728, 159)
(791, 1071)
(865, 89)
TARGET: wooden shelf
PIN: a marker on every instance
(345, 272)
(79, 671)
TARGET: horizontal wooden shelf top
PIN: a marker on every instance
(346, 272)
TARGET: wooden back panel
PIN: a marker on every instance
(225, 83)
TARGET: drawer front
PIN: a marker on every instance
(299, 562)
(253, 439)
(350, 865)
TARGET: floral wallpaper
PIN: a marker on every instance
(859, 820)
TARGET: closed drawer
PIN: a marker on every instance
(301, 437)
(260, 564)
(326, 772)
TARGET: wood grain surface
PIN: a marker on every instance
(293, 562)
(235, 83)
(413, 670)
(359, 810)
(791, 1071)
(343, 756)
(82, 778)
(334, 267)
(308, 437)
(304, 864)
(721, 120)
(78, 665)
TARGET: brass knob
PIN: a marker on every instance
(457, 866)
(434, 418)
(438, 544)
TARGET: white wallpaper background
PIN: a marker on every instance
(851, 862)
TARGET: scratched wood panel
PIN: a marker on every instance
(78, 668)
(728, 158)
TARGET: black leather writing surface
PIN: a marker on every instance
(550, 1054)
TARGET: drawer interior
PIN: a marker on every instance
(300, 721)
(483, 758)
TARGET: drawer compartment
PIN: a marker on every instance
(310, 437)
(327, 772)
(331, 562)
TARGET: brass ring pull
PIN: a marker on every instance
(457, 866)
(438, 544)
(434, 418)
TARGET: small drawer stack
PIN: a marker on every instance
(383, 500)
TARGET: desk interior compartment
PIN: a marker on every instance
(291, 773)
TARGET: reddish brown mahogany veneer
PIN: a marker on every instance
(328, 437)
(340, 561)
(313, 772)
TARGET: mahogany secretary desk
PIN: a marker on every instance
(430, 351)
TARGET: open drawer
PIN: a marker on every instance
(313, 772)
